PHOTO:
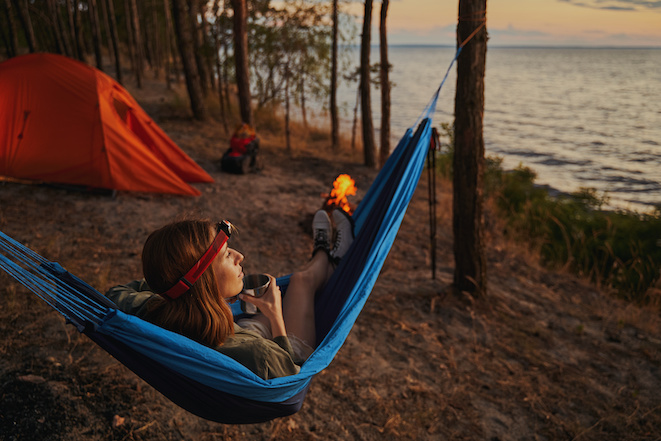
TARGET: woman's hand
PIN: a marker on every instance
(270, 304)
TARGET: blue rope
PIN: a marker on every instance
(44, 278)
(430, 109)
(387, 198)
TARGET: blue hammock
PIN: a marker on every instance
(200, 379)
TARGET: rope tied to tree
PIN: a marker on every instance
(477, 17)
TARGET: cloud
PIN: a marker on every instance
(510, 31)
(513, 36)
(617, 5)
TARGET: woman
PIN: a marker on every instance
(191, 274)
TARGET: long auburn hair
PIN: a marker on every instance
(201, 313)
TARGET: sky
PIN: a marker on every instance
(529, 22)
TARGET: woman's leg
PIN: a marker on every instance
(298, 303)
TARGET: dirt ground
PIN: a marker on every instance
(545, 356)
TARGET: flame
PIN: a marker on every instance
(343, 186)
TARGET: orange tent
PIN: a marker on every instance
(66, 122)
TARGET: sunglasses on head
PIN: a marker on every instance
(224, 230)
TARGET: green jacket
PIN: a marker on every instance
(266, 358)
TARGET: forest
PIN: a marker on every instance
(293, 56)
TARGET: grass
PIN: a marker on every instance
(618, 249)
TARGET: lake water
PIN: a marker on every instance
(578, 117)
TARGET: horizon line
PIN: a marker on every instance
(513, 46)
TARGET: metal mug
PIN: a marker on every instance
(254, 285)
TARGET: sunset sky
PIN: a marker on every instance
(530, 22)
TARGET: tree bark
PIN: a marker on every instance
(12, 44)
(169, 56)
(115, 39)
(72, 29)
(385, 85)
(74, 21)
(194, 12)
(369, 148)
(137, 42)
(64, 31)
(241, 59)
(287, 127)
(26, 22)
(206, 44)
(226, 75)
(148, 34)
(470, 261)
(304, 112)
(157, 52)
(355, 120)
(217, 32)
(129, 33)
(56, 29)
(185, 43)
(96, 32)
(5, 41)
(106, 24)
(335, 121)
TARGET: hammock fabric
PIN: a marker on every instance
(198, 378)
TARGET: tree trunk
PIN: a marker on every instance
(12, 43)
(385, 86)
(169, 56)
(106, 24)
(5, 41)
(26, 22)
(146, 35)
(335, 122)
(77, 30)
(225, 45)
(226, 75)
(470, 262)
(137, 42)
(217, 32)
(185, 42)
(304, 112)
(287, 128)
(55, 26)
(355, 120)
(115, 39)
(194, 12)
(241, 59)
(206, 44)
(221, 97)
(69, 51)
(157, 52)
(129, 33)
(96, 32)
(72, 29)
(369, 149)
(44, 37)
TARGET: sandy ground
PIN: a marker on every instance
(545, 356)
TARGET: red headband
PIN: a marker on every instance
(187, 280)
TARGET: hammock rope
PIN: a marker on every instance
(202, 380)
(41, 277)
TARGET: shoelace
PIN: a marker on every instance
(321, 239)
(338, 242)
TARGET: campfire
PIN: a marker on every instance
(343, 186)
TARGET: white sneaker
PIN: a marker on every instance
(322, 231)
(343, 233)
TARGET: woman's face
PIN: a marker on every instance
(229, 272)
